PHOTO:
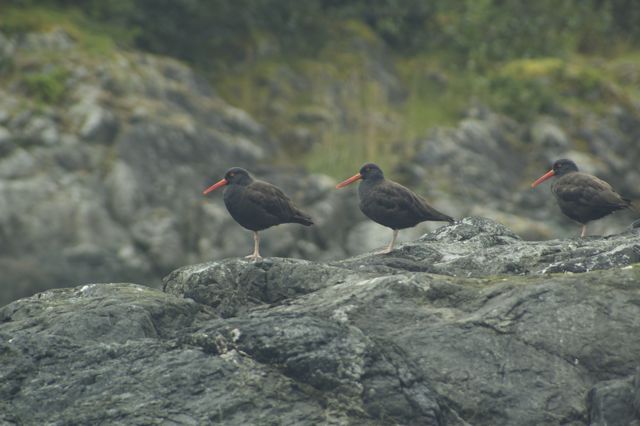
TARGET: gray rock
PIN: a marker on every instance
(476, 247)
(328, 372)
(156, 231)
(233, 286)
(92, 121)
(549, 138)
(72, 156)
(92, 203)
(4, 116)
(20, 163)
(368, 236)
(463, 158)
(123, 193)
(501, 349)
(40, 130)
(615, 402)
(164, 135)
(366, 341)
(7, 50)
(100, 125)
(239, 120)
(489, 162)
(56, 39)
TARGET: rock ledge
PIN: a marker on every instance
(467, 325)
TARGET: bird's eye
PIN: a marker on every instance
(231, 174)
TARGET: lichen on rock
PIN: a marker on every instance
(463, 326)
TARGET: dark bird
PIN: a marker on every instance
(257, 205)
(391, 204)
(581, 196)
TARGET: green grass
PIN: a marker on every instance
(364, 124)
(341, 155)
(47, 87)
(333, 93)
(437, 96)
(92, 37)
(43, 74)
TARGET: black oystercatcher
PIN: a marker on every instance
(257, 205)
(582, 197)
(391, 204)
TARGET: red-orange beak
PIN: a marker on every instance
(349, 181)
(542, 178)
(215, 186)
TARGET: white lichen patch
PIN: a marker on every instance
(87, 288)
(235, 335)
(341, 314)
(231, 356)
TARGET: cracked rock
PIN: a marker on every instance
(427, 335)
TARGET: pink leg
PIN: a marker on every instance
(584, 231)
(256, 248)
(391, 244)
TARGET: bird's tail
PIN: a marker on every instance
(633, 204)
(441, 217)
(302, 218)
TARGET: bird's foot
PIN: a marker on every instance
(254, 257)
(385, 251)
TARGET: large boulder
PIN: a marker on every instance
(104, 181)
(102, 163)
(464, 326)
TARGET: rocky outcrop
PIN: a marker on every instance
(486, 164)
(468, 325)
(104, 180)
(102, 163)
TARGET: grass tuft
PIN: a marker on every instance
(92, 37)
(47, 87)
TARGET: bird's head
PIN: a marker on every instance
(564, 166)
(559, 168)
(233, 176)
(369, 171)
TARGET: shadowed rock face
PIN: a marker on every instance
(465, 326)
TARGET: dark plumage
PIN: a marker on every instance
(257, 205)
(391, 204)
(581, 196)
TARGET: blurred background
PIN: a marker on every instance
(115, 115)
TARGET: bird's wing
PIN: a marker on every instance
(588, 190)
(397, 198)
(269, 197)
(394, 197)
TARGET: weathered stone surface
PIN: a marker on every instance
(56, 39)
(517, 345)
(615, 402)
(476, 247)
(233, 286)
(125, 353)
(486, 164)
(117, 168)
(372, 340)
(116, 162)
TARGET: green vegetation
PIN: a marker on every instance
(474, 33)
(94, 38)
(47, 87)
(314, 71)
